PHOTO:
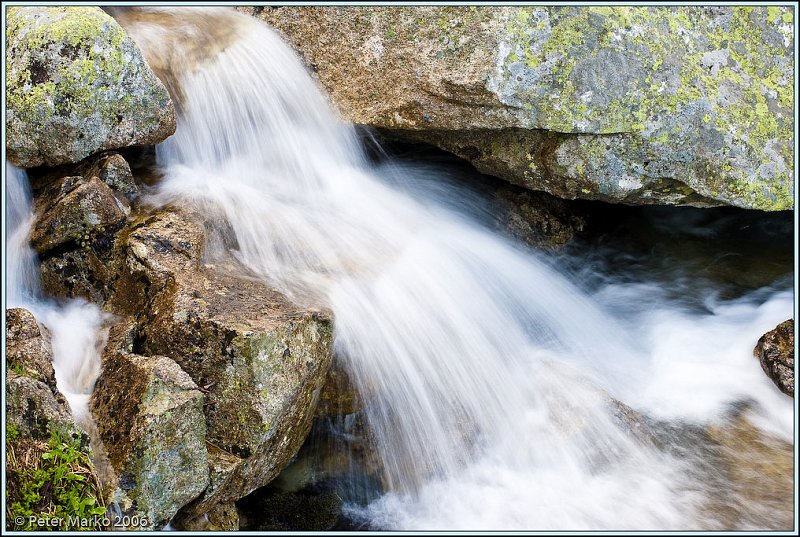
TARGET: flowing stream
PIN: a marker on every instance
(494, 385)
(76, 326)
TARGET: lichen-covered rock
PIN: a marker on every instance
(667, 105)
(77, 84)
(260, 360)
(149, 416)
(33, 403)
(775, 351)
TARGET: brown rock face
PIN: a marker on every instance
(260, 360)
(775, 351)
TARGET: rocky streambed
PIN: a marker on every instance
(219, 396)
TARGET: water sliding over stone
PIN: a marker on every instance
(491, 382)
(75, 327)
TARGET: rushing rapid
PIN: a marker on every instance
(498, 393)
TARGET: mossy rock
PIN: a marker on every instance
(77, 84)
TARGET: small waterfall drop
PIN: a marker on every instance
(492, 382)
(22, 280)
(76, 327)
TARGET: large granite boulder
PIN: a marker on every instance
(77, 84)
(665, 105)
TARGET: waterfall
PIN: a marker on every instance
(491, 380)
(22, 272)
(76, 326)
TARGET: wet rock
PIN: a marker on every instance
(81, 209)
(535, 218)
(759, 470)
(775, 351)
(339, 395)
(77, 84)
(259, 360)
(221, 517)
(149, 416)
(33, 403)
(307, 510)
(643, 105)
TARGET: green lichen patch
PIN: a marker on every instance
(699, 85)
(73, 79)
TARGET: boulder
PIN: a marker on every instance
(149, 416)
(79, 211)
(775, 351)
(34, 406)
(77, 84)
(259, 360)
(84, 208)
(642, 105)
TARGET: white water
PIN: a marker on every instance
(75, 326)
(489, 374)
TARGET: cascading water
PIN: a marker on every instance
(75, 327)
(492, 383)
